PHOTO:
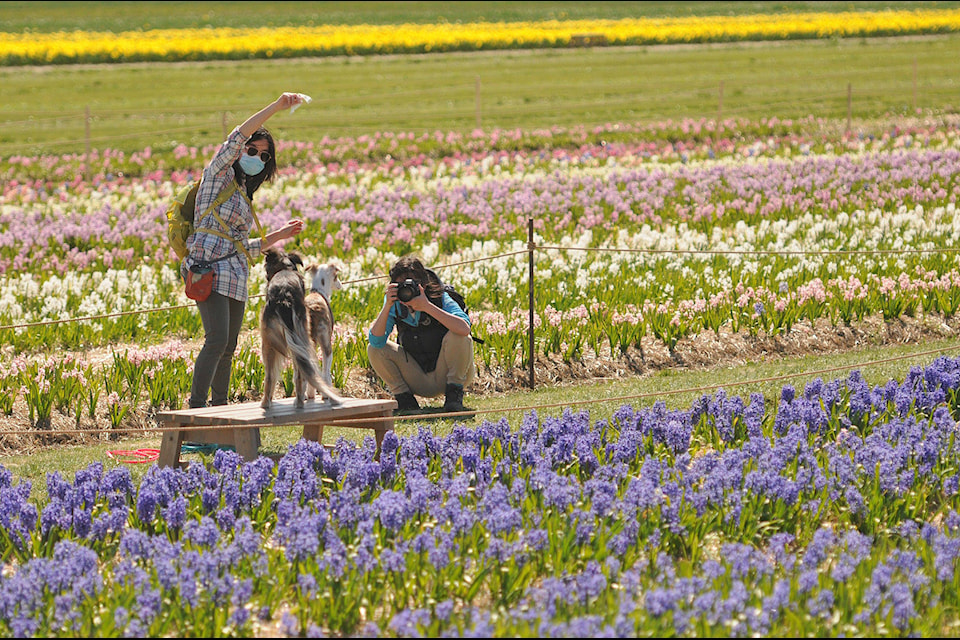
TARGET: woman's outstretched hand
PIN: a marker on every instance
(288, 100)
(291, 228)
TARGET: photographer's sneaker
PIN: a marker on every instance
(454, 401)
(406, 404)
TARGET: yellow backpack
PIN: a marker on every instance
(181, 216)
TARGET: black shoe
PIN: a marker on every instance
(406, 404)
(454, 400)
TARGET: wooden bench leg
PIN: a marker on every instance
(170, 449)
(381, 427)
(313, 432)
(245, 442)
(379, 421)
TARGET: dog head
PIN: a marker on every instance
(277, 260)
(323, 278)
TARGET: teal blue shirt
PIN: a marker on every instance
(398, 313)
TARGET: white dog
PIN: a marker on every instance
(323, 280)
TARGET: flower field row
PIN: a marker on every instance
(106, 395)
(169, 45)
(765, 231)
(654, 232)
(833, 512)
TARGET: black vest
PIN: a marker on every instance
(423, 342)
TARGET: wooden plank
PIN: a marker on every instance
(222, 437)
(283, 409)
(368, 413)
(282, 412)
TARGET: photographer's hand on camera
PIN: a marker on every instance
(420, 302)
(450, 321)
(391, 295)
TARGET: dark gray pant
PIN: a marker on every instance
(222, 320)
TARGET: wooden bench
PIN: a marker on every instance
(238, 422)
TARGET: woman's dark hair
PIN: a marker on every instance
(413, 266)
(270, 167)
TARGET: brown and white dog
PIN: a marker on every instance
(323, 280)
(285, 331)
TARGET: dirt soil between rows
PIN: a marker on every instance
(701, 352)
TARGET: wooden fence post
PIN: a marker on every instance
(477, 101)
(87, 145)
(720, 106)
(530, 247)
(716, 129)
(849, 105)
(914, 84)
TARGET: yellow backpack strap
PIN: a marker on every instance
(229, 192)
(263, 235)
(221, 198)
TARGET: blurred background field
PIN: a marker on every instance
(38, 17)
(860, 83)
(73, 108)
(736, 220)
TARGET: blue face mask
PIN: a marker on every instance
(251, 165)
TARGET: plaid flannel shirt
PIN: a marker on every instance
(237, 212)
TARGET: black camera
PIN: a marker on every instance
(408, 290)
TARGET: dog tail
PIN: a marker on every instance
(305, 358)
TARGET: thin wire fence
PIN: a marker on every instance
(529, 250)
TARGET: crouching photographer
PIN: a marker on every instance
(433, 354)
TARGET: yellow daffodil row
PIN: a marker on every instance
(225, 43)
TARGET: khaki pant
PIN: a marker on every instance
(401, 373)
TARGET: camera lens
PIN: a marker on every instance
(407, 290)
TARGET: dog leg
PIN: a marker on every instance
(298, 384)
(305, 359)
(315, 318)
(330, 396)
(327, 374)
(273, 360)
(270, 375)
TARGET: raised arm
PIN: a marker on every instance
(254, 122)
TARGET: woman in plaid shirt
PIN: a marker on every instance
(246, 159)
